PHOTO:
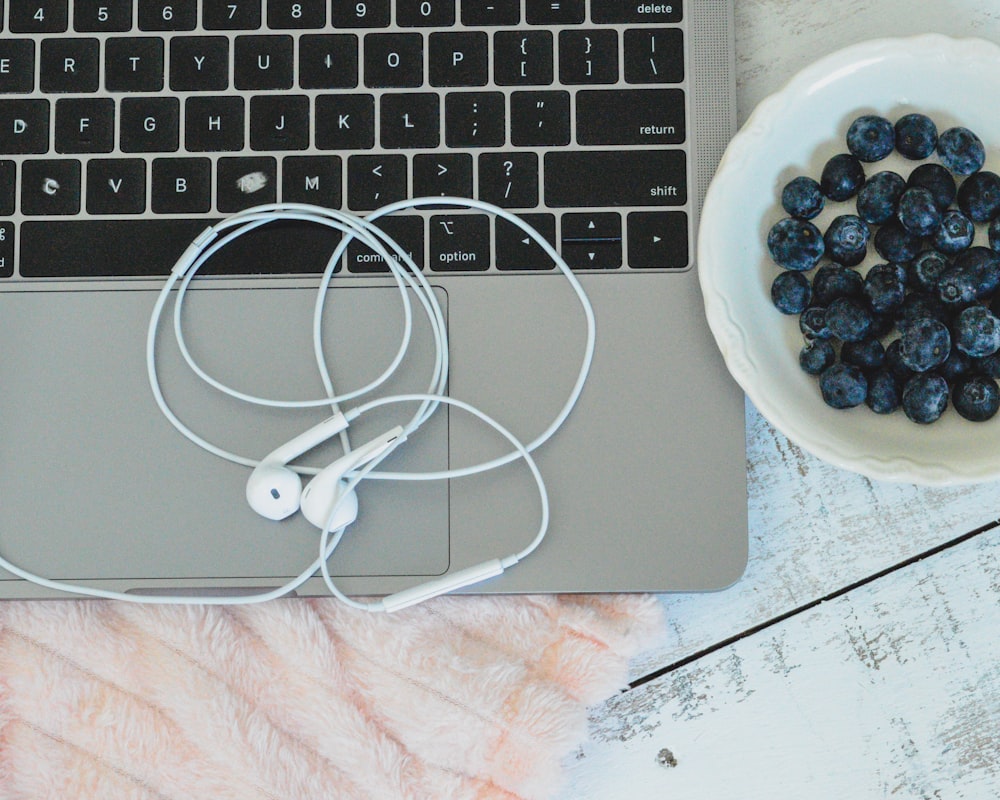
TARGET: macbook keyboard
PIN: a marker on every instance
(127, 127)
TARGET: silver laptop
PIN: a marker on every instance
(126, 128)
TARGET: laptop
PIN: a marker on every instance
(127, 128)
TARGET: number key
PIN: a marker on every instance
(168, 15)
(39, 16)
(423, 13)
(289, 14)
(92, 16)
(360, 13)
(230, 15)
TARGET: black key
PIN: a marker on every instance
(6, 249)
(374, 181)
(116, 186)
(658, 240)
(345, 122)
(394, 60)
(230, 15)
(588, 56)
(410, 120)
(17, 66)
(654, 55)
(199, 63)
(8, 183)
(630, 116)
(296, 14)
(24, 126)
(460, 242)
(458, 58)
(522, 58)
(133, 64)
(442, 175)
(102, 16)
(615, 178)
(181, 185)
(517, 250)
(85, 125)
(509, 180)
(425, 13)
(213, 124)
(39, 16)
(328, 61)
(475, 119)
(407, 230)
(242, 182)
(150, 124)
(359, 13)
(263, 62)
(609, 12)
(592, 241)
(486, 13)
(539, 118)
(168, 15)
(70, 65)
(555, 12)
(312, 179)
(279, 122)
(50, 186)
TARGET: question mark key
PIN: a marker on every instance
(509, 180)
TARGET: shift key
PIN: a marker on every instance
(593, 178)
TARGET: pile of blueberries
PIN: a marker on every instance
(920, 327)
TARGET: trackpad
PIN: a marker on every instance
(98, 484)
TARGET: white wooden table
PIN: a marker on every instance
(859, 656)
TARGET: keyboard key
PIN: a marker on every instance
(116, 186)
(69, 65)
(150, 124)
(213, 124)
(168, 15)
(475, 119)
(615, 178)
(374, 181)
(522, 58)
(509, 180)
(199, 63)
(485, 13)
(460, 242)
(442, 175)
(328, 61)
(592, 241)
(296, 14)
(38, 16)
(555, 12)
(654, 55)
(345, 122)
(133, 64)
(588, 56)
(311, 179)
(17, 66)
(517, 250)
(50, 186)
(630, 116)
(394, 60)
(658, 240)
(8, 184)
(425, 13)
(6, 249)
(359, 14)
(539, 119)
(182, 185)
(458, 58)
(230, 15)
(24, 126)
(279, 122)
(102, 16)
(243, 182)
(410, 120)
(263, 62)
(85, 125)
(609, 12)
(407, 230)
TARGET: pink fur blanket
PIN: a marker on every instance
(464, 697)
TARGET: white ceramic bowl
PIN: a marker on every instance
(793, 132)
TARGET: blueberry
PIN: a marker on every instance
(816, 356)
(842, 177)
(926, 270)
(885, 287)
(894, 361)
(957, 287)
(984, 264)
(795, 244)
(918, 305)
(976, 398)
(878, 199)
(848, 319)
(834, 280)
(790, 292)
(937, 180)
(868, 354)
(979, 196)
(993, 233)
(977, 332)
(955, 366)
(884, 393)
(843, 386)
(916, 136)
(871, 137)
(802, 198)
(961, 151)
(924, 344)
(925, 397)
(812, 323)
(846, 240)
(955, 233)
(987, 365)
(894, 243)
(918, 212)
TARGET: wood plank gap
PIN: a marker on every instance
(681, 663)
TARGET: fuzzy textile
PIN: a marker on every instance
(462, 697)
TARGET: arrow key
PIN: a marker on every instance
(658, 240)
(516, 250)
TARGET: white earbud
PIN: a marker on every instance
(274, 489)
